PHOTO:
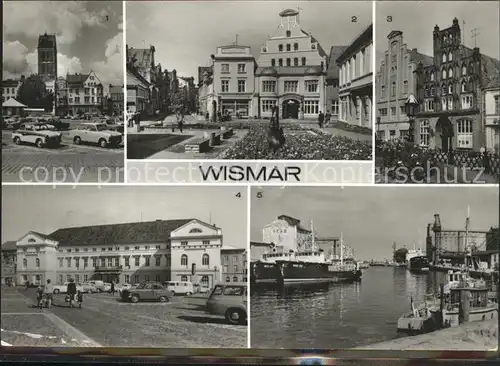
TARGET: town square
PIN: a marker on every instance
(277, 89)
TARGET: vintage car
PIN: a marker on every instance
(147, 292)
(229, 300)
(96, 133)
(36, 133)
(122, 287)
(88, 288)
(62, 289)
(12, 122)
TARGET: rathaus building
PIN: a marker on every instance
(291, 72)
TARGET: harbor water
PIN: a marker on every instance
(338, 315)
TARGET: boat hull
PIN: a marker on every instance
(419, 264)
(262, 273)
(292, 273)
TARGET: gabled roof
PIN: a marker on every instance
(143, 57)
(76, 78)
(366, 37)
(490, 72)
(9, 245)
(11, 102)
(418, 57)
(133, 232)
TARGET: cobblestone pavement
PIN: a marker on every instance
(67, 163)
(106, 321)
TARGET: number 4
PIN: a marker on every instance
(238, 195)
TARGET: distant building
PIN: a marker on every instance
(395, 81)
(257, 249)
(356, 77)
(450, 93)
(491, 119)
(10, 88)
(233, 80)
(161, 250)
(8, 263)
(234, 264)
(61, 97)
(85, 93)
(47, 57)
(332, 82)
(138, 93)
(291, 72)
(206, 92)
(117, 98)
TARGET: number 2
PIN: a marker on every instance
(354, 19)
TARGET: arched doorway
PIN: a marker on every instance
(291, 109)
(444, 131)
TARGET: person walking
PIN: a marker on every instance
(321, 119)
(112, 290)
(71, 291)
(180, 119)
(27, 285)
(49, 292)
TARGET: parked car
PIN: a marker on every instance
(88, 288)
(124, 286)
(95, 133)
(99, 285)
(230, 301)
(201, 288)
(12, 122)
(36, 133)
(180, 287)
(62, 289)
(147, 292)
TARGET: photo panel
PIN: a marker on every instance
(326, 273)
(152, 267)
(437, 89)
(62, 92)
(249, 80)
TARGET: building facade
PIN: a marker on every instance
(332, 82)
(10, 88)
(8, 263)
(356, 76)
(160, 250)
(47, 57)
(233, 80)
(117, 99)
(206, 93)
(450, 93)
(395, 82)
(85, 93)
(234, 264)
(61, 97)
(257, 249)
(491, 95)
(291, 72)
(138, 93)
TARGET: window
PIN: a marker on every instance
(136, 278)
(383, 90)
(68, 250)
(103, 262)
(267, 105)
(95, 249)
(464, 134)
(224, 86)
(224, 68)
(467, 101)
(61, 279)
(85, 262)
(450, 56)
(204, 280)
(68, 260)
(424, 133)
(383, 111)
(444, 57)
(393, 89)
(450, 73)
(288, 47)
(497, 105)
(280, 62)
(443, 74)
(77, 262)
(288, 62)
(145, 247)
(127, 261)
(450, 103)
(205, 260)
(228, 279)
(184, 278)
(444, 104)
(426, 92)
(311, 86)
(464, 70)
(428, 105)
(233, 290)
(268, 86)
(335, 107)
(25, 263)
(127, 278)
(311, 106)
(280, 48)
(291, 86)
(147, 262)
(157, 261)
(60, 262)
(296, 61)
(432, 76)
(464, 87)
(110, 262)
(393, 113)
(85, 278)
(146, 278)
(184, 260)
(303, 61)
(235, 279)
(273, 62)
(137, 261)
(77, 278)
(241, 86)
(235, 269)
(295, 46)
(405, 87)
(94, 262)
(444, 90)
(241, 68)
(158, 247)
(288, 33)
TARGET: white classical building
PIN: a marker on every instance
(161, 250)
(491, 117)
(291, 72)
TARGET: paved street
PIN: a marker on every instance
(67, 163)
(105, 321)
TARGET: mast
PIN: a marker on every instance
(341, 249)
(466, 243)
(313, 244)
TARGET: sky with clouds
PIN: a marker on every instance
(26, 208)
(372, 218)
(185, 34)
(417, 20)
(89, 37)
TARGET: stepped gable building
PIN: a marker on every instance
(450, 93)
(395, 81)
(161, 250)
(291, 72)
(84, 93)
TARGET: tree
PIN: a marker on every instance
(400, 255)
(493, 239)
(34, 94)
(178, 100)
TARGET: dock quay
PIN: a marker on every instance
(471, 336)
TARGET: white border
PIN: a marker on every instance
(374, 88)
(125, 122)
(249, 304)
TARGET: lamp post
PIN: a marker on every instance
(378, 127)
(411, 110)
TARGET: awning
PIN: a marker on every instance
(12, 103)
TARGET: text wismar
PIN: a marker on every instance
(238, 173)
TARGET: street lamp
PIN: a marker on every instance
(411, 110)
(378, 126)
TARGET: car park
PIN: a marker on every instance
(229, 300)
(38, 134)
(147, 292)
(95, 133)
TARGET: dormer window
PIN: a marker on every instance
(288, 33)
(313, 46)
(264, 49)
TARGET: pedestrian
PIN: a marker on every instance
(79, 298)
(112, 290)
(328, 116)
(27, 285)
(207, 116)
(71, 291)
(180, 119)
(321, 119)
(49, 292)
(39, 296)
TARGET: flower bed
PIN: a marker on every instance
(353, 128)
(299, 145)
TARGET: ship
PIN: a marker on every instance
(417, 261)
